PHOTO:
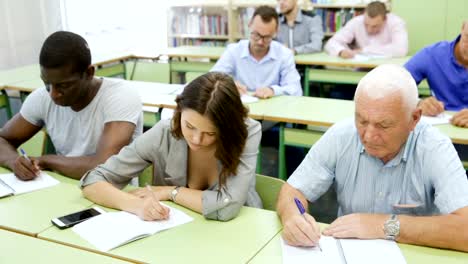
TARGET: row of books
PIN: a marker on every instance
(194, 23)
(243, 20)
(197, 42)
(334, 20)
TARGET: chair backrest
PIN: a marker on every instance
(35, 145)
(146, 177)
(148, 71)
(268, 188)
(5, 103)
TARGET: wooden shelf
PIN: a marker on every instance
(199, 36)
(337, 6)
(199, 3)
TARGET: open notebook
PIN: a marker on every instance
(111, 230)
(345, 251)
(10, 184)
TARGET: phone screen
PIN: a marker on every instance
(77, 217)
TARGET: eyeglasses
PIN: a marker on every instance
(255, 36)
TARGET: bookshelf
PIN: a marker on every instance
(219, 22)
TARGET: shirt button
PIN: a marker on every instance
(226, 200)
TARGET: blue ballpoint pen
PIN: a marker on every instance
(302, 211)
(23, 153)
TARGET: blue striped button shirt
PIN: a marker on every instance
(425, 178)
(276, 70)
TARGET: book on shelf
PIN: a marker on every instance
(194, 22)
(11, 185)
(334, 19)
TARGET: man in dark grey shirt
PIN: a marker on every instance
(300, 31)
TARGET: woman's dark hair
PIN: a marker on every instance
(214, 95)
(65, 48)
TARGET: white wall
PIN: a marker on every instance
(24, 24)
(110, 26)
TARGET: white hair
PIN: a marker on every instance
(387, 80)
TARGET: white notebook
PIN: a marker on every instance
(111, 230)
(11, 185)
(345, 251)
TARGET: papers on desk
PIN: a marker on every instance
(440, 119)
(111, 230)
(10, 184)
(366, 57)
(345, 251)
(246, 99)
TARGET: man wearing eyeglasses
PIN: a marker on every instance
(87, 118)
(260, 64)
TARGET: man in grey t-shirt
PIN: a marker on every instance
(300, 31)
(87, 118)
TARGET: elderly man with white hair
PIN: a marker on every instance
(395, 177)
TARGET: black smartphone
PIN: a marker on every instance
(75, 218)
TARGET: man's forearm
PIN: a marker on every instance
(445, 231)
(73, 167)
(8, 154)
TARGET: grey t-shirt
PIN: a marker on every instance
(78, 133)
(169, 156)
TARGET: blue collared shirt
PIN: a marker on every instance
(426, 174)
(447, 78)
(276, 70)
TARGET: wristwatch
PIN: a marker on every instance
(174, 193)
(392, 228)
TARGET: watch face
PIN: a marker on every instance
(392, 228)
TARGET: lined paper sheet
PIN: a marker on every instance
(355, 251)
(440, 119)
(361, 251)
(19, 186)
(110, 230)
(297, 255)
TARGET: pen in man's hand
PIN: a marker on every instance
(23, 153)
(302, 211)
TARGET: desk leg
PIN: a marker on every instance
(306, 81)
(259, 159)
(282, 154)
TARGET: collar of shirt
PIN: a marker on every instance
(245, 52)
(452, 52)
(402, 155)
(298, 19)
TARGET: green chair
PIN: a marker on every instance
(5, 103)
(149, 71)
(146, 177)
(268, 189)
(113, 70)
(35, 145)
(303, 138)
(190, 76)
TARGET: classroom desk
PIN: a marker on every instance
(31, 213)
(272, 253)
(19, 74)
(200, 241)
(17, 248)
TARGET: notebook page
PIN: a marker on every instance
(298, 255)
(5, 190)
(361, 251)
(42, 181)
(439, 119)
(110, 230)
